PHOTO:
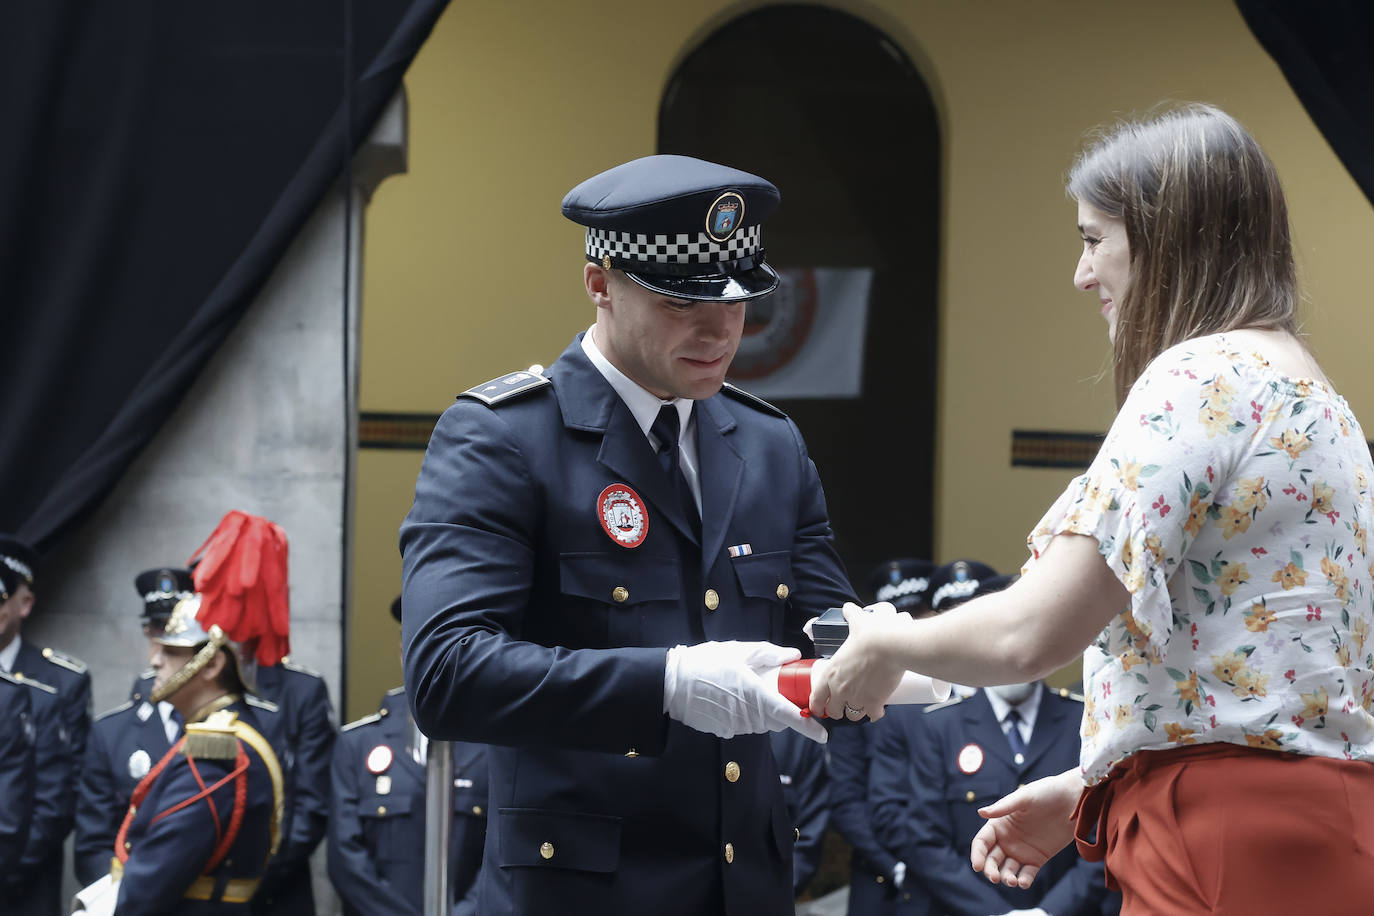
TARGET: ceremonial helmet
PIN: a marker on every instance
(240, 604)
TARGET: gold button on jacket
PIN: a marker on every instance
(712, 599)
(969, 796)
(729, 853)
(783, 591)
(546, 850)
(732, 772)
(620, 594)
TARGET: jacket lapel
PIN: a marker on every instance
(722, 471)
(1047, 726)
(984, 728)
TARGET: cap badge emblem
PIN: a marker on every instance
(165, 582)
(970, 759)
(378, 759)
(725, 216)
(622, 515)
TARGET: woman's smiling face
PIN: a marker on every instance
(1105, 265)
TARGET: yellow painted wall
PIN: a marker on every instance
(470, 271)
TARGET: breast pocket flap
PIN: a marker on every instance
(558, 839)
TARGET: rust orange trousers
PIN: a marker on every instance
(1218, 828)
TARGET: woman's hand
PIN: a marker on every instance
(860, 677)
(1025, 829)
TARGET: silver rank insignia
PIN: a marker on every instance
(139, 764)
(384, 784)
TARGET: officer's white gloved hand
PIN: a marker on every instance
(898, 875)
(715, 688)
(1035, 912)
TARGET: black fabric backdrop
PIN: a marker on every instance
(158, 156)
(1326, 51)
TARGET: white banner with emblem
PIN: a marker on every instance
(806, 340)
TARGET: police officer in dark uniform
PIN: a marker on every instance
(17, 737)
(967, 752)
(205, 819)
(377, 825)
(877, 875)
(62, 719)
(601, 558)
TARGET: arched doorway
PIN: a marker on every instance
(831, 111)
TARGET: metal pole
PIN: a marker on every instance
(438, 826)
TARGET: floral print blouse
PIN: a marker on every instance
(1234, 504)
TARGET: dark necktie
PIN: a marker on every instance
(1018, 746)
(665, 430)
(178, 725)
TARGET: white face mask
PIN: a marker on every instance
(1013, 694)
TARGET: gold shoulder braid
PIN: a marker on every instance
(212, 739)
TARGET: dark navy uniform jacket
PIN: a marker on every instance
(945, 811)
(61, 747)
(169, 852)
(123, 745)
(377, 827)
(17, 736)
(303, 749)
(806, 790)
(850, 757)
(527, 626)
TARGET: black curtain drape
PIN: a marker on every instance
(158, 157)
(1326, 52)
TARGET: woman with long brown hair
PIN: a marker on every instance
(1212, 566)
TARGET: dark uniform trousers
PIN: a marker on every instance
(849, 755)
(17, 736)
(805, 790)
(169, 852)
(514, 591)
(124, 744)
(948, 795)
(377, 827)
(63, 718)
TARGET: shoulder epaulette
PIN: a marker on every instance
(1065, 693)
(34, 682)
(260, 703)
(945, 704)
(507, 387)
(396, 691)
(146, 673)
(289, 665)
(213, 739)
(127, 704)
(365, 720)
(754, 400)
(65, 660)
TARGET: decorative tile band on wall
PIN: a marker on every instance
(1039, 448)
(395, 430)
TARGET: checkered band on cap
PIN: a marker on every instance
(19, 567)
(683, 248)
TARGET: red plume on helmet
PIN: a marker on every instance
(240, 573)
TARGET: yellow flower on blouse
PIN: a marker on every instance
(1316, 702)
(1321, 498)
(1343, 654)
(1232, 521)
(1258, 618)
(1176, 733)
(1292, 442)
(1155, 547)
(1251, 683)
(1340, 582)
(1121, 715)
(1231, 577)
(1197, 515)
(1361, 538)
(1290, 577)
(1218, 392)
(1130, 658)
(1359, 631)
(1249, 494)
(1214, 419)
(1187, 689)
(1268, 741)
(1130, 474)
(1225, 667)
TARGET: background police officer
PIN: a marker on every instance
(62, 719)
(377, 824)
(17, 736)
(877, 873)
(806, 791)
(599, 559)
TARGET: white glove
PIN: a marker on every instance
(898, 875)
(715, 688)
(1033, 912)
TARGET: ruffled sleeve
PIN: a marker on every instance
(1151, 488)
